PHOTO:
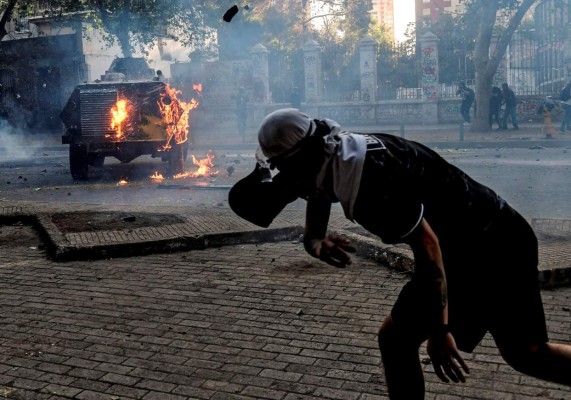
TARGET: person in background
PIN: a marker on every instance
(565, 98)
(295, 98)
(475, 256)
(510, 101)
(468, 96)
(495, 107)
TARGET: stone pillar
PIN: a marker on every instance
(312, 71)
(260, 73)
(368, 69)
(429, 65)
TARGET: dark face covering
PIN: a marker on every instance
(299, 169)
(258, 201)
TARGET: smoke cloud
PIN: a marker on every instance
(18, 144)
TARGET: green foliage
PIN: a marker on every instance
(133, 24)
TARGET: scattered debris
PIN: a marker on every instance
(537, 148)
(230, 170)
(231, 13)
(129, 218)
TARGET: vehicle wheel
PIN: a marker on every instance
(78, 161)
(96, 160)
(185, 147)
(175, 158)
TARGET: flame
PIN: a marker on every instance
(118, 115)
(197, 87)
(157, 177)
(122, 182)
(175, 113)
(204, 165)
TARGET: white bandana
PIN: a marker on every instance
(346, 153)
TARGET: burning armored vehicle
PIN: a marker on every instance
(125, 119)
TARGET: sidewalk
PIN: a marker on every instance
(210, 307)
(188, 228)
(440, 136)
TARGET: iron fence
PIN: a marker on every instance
(530, 67)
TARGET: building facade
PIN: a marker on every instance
(428, 11)
(383, 11)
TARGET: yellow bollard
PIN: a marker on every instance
(547, 106)
(548, 129)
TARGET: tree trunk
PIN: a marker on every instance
(486, 20)
(5, 17)
(486, 66)
(122, 33)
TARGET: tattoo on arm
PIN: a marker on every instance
(433, 281)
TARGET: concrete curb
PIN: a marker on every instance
(60, 250)
(396, 258)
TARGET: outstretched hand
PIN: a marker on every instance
(333, 250)
(446, 359)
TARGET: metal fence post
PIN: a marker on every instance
(402, 130)
(461, 132)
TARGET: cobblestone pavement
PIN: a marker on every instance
(239, 322)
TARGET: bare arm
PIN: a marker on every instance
(429, 270)
(330, 248)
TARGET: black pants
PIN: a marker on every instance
(492, 286)
(465, 111)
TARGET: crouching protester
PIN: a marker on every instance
(475, 256)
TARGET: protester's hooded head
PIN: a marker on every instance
(287, 139)
(283, 137)
(282, 130)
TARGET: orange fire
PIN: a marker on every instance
(118, 115)
(204, 165)
(175, 113)
(157, 177)
(122, 182)
(197, 87)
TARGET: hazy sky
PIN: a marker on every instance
(404, 13)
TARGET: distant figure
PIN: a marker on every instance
(467, 101)
(546, 108)
(241, 99)
(565, 98)
(510, 101)
(495, 106)
(295, 98)
(160, 77)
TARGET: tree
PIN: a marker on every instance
(138, 24)
(489, 16)
(8, 9)
(133, 24)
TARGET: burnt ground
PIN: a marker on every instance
(85, 221)
(19, 234)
